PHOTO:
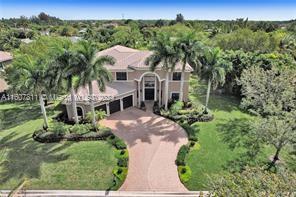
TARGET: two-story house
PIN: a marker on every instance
(133, 82)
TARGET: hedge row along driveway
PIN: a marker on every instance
(153, 144)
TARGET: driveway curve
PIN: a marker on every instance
(153, 143)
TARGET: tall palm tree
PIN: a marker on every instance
(93, 70)
(32, 76)
(214, 70)
(166, 56)
(66, 67)
(190, 52)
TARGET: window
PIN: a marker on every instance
(121, 76)
(177, 76)
(175, 96)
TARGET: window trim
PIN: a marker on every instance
(175, 79)
(121, 79)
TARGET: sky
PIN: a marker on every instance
(152, 9)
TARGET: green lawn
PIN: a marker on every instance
(66, 165)
(214, 154)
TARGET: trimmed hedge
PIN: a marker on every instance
(184, 173)
(117, 142)
(180, 161)
(191, 132)
(79, 132)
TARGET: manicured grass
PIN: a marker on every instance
(66, 165)
(214, 154)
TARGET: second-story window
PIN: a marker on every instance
(177, 76)
(121, 76)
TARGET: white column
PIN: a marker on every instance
(121, 104)
(139, 93)
(108, 109)
(143, 89)
(155, 89)
(159, 94)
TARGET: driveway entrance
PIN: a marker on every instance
(153, 144)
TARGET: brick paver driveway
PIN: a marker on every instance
(153, 144)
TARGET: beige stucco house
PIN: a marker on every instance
(133, 82)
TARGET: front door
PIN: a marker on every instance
(149, 94)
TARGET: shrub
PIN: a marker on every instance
(122, 162)
(164, 113)
(120, 172)
(48, 137)
(117, 142)
(176, 107)
(58, 128)
(184, 173)
(180, 161)
(100, 114)
(93, 134)
(191, 132)
(81, 128)
(72, 136)
(123, 153)
(104, 131)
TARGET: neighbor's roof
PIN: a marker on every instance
(3, 85)
(113, 89)
(5, 56)
(131, 58)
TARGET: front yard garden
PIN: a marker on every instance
(63, 165)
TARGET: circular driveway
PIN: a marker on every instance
(153, 143)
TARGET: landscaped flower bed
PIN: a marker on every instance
(59, 131)
(184, 113)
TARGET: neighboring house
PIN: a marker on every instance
(133, 82)
(5, 58)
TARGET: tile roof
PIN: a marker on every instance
(131, 58)
(113, 89)
(5, 56)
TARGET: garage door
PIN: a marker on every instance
(101, 107)
(127, 102)
(114, 106)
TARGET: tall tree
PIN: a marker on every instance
(179, 18)
(214, 70)
(66, 66)
(190, 51)
(166, 56)
(94, 70)
(32, 76)
(271, 94)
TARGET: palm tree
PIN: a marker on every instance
(166, 55)
(214, 70)
(31, 75)
(190, 51)
(66, 67)
(93, 70)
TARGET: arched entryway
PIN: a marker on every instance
(149, 87)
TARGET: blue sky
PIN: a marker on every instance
(153, 9)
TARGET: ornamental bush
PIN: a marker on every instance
(81, 128)
(180, 161)
(184, 173)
